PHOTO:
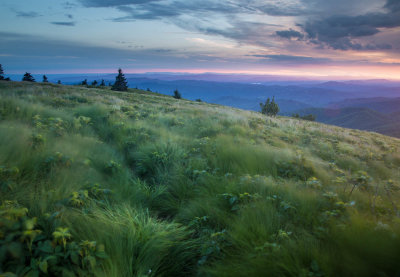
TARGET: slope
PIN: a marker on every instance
(96, 182)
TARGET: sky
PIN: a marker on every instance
(311, 38)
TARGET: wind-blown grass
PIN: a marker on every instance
(180, 188)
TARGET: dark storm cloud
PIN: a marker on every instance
(393, 5)
(339, 31)
(27, 14)
(290, 34)
(62, 23)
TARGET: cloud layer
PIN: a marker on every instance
(337, 24)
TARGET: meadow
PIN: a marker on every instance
(105, 183)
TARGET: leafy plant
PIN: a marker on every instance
(91, 192)
(8, 177)
(26, 250)
(236, 200)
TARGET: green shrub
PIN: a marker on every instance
(27, 250)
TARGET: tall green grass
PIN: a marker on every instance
(200, 190)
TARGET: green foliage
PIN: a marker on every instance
(188, 189)
(270, 108)
(27, 250)
(235, 201)
(308, 117)
(8, 177)
(120, 82)
(177, 94)
(89, 194)
(37, 141)
(297, 168)
(28, 77)
(1, 73)
(45, 80)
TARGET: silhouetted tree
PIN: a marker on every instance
(198, 100)
(120, 82)
(28, 77)
(177, 94)
(84, 82)
(94, 83)
(45, 80)
(102, 84)
(59, 82)
(1, 73)
(274, 107)
(270, 108)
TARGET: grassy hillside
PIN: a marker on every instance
(139, 184)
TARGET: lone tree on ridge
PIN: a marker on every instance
(28, 77)
(270, 108)
(120, 82)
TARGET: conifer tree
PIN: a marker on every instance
(177, 94)
(120, 82)
(274, 107)
(270, 108)
(84, 82)
(45, 80)
(28, 77)
(102, 84)
(59, 82)
(1, 73)
(94, 83)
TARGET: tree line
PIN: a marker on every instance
(269, 108)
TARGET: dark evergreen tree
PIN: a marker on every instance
(1, 73)
(177, 94)
(84, 82)
(120, 82)
(28, 77)
(274, 107)
(45, 80)
(270, 108)
(59, 82)
(94, 83)
(7, 79)
(102, 84)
